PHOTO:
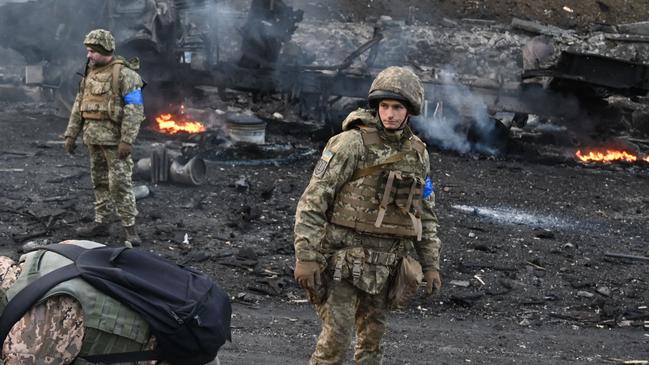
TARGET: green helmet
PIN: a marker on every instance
(397, 83)
(100, 40)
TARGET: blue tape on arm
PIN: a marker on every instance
(134, 97)
(428, 187)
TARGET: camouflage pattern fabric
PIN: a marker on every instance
(102, 137)
(105, 131)
(400, 81)
(317, 239)
(51, 332)
(331, 173)
(345, 305)
(101, 38)
(112, 182)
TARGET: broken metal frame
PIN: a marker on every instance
(581, 71)
(322, 85)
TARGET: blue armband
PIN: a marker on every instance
(428, 187)
(134, 97)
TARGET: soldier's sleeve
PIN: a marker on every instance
(49, 333)
(336, 166)
(131, 87)
(74, 122)
(428, 248)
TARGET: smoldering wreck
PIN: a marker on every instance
(538, 135)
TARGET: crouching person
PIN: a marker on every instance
(71, 323)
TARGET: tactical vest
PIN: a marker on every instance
(384, 196)
(101, 98)
(110, 327)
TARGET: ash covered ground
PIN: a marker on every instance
(524, 266)
(526, 274)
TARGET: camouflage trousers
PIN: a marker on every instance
(348, 308)
(111, 180)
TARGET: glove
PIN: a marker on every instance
(433, 281)
(123, 150)
(69, 145)
(307, 274)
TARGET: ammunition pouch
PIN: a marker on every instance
(101, 97)
(366, 269)
(405, 283)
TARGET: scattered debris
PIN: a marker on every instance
(462, 283)
(514, 216)
(141, 192)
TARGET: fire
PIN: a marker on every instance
(608, 156)
(167, 124)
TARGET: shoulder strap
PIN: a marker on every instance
(24, 299)
(117, 68)
(366, 171)
(370, 135)
(71, 252)
(418, 145)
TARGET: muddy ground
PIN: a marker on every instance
(526, 274)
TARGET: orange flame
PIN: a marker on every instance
(168, 125)
(608, 156)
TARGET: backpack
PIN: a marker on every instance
(186, 311)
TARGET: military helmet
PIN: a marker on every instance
(101, 41)
(397, 83)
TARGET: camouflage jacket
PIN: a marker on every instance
(53, 331)
(313, 228)
(106, 131)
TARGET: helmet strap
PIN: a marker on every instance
(401, 126)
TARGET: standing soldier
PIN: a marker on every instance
(368, 205)
(109, 108)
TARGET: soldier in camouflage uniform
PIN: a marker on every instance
(72, 320)
(369, 203)
(109, 109)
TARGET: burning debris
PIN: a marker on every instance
(609, 156)
(168, 124)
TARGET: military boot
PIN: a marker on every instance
(132, 237)
(92, 229)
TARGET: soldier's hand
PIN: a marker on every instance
(307, 274)
(433, 281)
(69, 145)
(123, 150)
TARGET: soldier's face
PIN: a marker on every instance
(393, 114)
(96, 58)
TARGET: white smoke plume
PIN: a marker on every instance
(459, 120)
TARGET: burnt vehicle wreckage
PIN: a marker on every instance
(179, 49)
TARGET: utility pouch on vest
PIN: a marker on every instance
(405, 192)
(404, 286)
(366, 269)
(101, 98)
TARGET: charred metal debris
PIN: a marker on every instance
(565, 76)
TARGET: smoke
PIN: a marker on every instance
(459, 120)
